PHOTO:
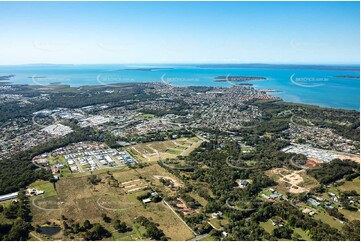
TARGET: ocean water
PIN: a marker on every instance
(317, 85)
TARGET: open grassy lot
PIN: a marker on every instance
(46, 186)
(148, 116)
(209, 238)
(77, 199)
(218, 222)
(151, 151)
(350, 215)
(324, 217)
(351, 185)
(302, 233)
(269, 229)
(200, 199)
(267, 226)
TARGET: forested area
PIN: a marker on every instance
(335, 170)
(152, 230)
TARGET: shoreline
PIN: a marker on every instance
(112, 85)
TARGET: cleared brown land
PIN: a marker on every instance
(291, 181)
(311, 162)
(78, 200)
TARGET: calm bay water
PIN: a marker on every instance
(316, 85)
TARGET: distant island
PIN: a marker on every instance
(37, 77)
(348, 76)
(6, 78)
(147, 69)
(238, 78)
(268, 90)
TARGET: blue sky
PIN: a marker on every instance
(179, 32)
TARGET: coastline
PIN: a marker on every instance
(316, 87)
(112, 85)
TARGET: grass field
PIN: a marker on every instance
(148, 116)
(269, 229)
(218, 222)
(351, 185)
(78, 200)
(151, 151)
(209, 238)
(46, 186)
(324, 217)
(350, 215)
(267, 226)
(302, 233)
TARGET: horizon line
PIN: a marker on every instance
(185, 63)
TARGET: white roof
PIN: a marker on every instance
(8, 196)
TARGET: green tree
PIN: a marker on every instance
(121, 227)
(351, 230)
(19, 230)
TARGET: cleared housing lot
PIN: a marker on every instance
(150, 152)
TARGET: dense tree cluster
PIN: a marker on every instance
(152, 230)
(334, 170)
(19, 213)
(88, 230)
(93, 179)
(121, 227)
(97, 232)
